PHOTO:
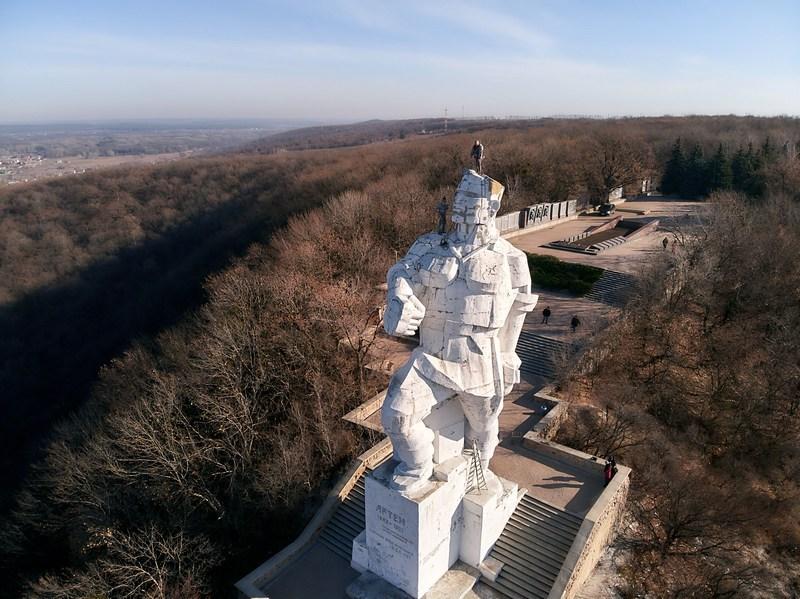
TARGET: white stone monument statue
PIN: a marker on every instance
(467, 292)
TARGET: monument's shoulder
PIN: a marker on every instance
(425, 242)
(504, 246)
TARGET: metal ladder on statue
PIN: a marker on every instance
(476, 478)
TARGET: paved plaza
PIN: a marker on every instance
(628, 257)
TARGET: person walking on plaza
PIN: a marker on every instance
(546, 315)
(574, 323)
(477, 156)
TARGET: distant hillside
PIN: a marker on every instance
(356, 134)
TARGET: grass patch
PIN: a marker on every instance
(549, 272)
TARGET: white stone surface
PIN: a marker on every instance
(467, 292)
(413, 540)
(490, 568)
(446, 420)
(485, 514)
(360, 558)
(456, 583)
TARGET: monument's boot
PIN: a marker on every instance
(414, 450)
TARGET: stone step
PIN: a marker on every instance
(344, 528)
(354, 518)
(532, 547)
(512, 587)
(337, 544)
(530, 501)
(612, 288)
(553, 526)
(539, 353)
(546, 536)
(563, 520)
(533, 581)
(355, 500)
(346, 523)
(536, 554)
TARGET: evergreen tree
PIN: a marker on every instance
(719, 173)
(694, 180)
(739, 172)
(748, 172)
(674, 171)
(768, 151)
(756, 183)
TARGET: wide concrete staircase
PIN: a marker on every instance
(541, 355)
(612, 288)
(533, 547)
(347, 523)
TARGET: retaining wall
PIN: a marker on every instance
(599, 525)
(595, 534)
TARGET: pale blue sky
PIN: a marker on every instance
(346, 59)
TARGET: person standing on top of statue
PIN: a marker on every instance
(546, 315)
(477, 156)
(574, 323)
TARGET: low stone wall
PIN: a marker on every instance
(605, 226)
(583, 461)
(651, 226)
(250, 586)
(599, 524)
(595, 534)
(548, 426)
(361, 414)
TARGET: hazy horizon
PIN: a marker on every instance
(348, 61)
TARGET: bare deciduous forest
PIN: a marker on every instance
(177, 362)
(698, 390)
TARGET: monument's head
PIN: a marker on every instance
(477, 199)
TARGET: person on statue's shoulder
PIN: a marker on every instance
(546, 315)
(575, 323)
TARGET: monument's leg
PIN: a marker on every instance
(413, 538)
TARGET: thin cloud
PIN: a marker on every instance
(487, 23)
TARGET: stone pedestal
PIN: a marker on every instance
(485, 514)
(411, 541)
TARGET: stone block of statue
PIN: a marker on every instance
(467, 291)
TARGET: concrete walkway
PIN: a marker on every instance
(628, 257)
(557, 483)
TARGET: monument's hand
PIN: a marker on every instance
(404, 312)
